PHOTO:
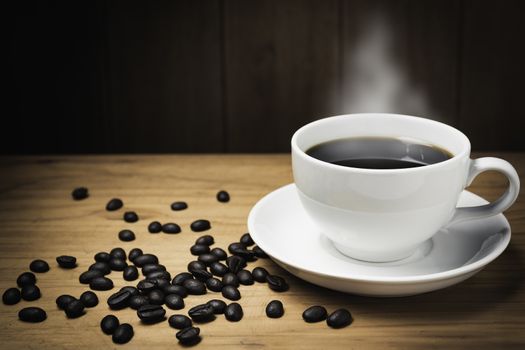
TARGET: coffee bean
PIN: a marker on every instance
(156, 297)
(247, 240)
(109, 324)
(174, 301)
(339, 318)
(214, 284)
(223, 196)
(235, 246)
(196, 265)
(202, 275)
(259, 274)
(194, 287)
(114, 204)
(122, 334)
(136, 301)
(101, 283)
(130, 273)
(314, 313)
(274, 309)
(11, 296)
(117, 264)
(80, 193)
(63, 300)
(176, 206)
(259, 252)
(218, 269)
(198, 249)
(277, 283)
(181, 277)
(189, 336)
(217, 305)
(119, 300)
(145, 259)
(246, 254)
(235, 263)
(39, 266)
(205, 240)
(67, 262)
(230, 279)
(26, 279)
(32, 314)
(146, 286)
(201, 313)
(74, 309)
(207, 259)
(151, 313)
(154, 227)
(134, 253)
(233, 312)
(175, 289)
(200, 225)
(171, 227)
(231, 292)
(102, 257)
(245, 277)
(86, 277)
(130, 216)
(126, 235)
(30, 292)
(100, 266)
(219, 253)
(89, 299)
(132, 290)
(159, 275)
(179, 321)
(117, 253)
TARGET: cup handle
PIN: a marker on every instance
(477, 166)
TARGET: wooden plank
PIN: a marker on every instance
(281, 70)
(493, 73)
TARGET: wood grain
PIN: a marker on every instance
(40, 220)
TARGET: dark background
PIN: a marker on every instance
(240, 75)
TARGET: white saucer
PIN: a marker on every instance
(280, 226)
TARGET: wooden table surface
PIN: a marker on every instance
(38, 219)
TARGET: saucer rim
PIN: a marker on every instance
(458, 271)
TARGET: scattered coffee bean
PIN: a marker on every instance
(134, 253)
(315, 313)
(119, 300)
(219, 269)
(230, 279)
(11, 296)
(32, 314)
(126, 235)
(202, 275)
(181, 277)
(205, 240)
(246, 254)
(101, 283)
(259, 274)
(63, 300)
(200, 225)
(245, 277)
(145, 259)
(274, 309)
(26, 279)
(89, 299)
(233, 312)
(201, 313)
(247, 240)
(235, 263)
(164, 275)
(109, 324)
(235, 246)
(198, 249)
(171, 227)
(219, 253)
(117, 253)
(189, 336)
(194, 287)
(130, 273)
(208, 259)
(74, 309)
(132, 290)
(67, 262)
(102, 257)
(231, 293)
(196, 265)
(175, 289)
(161, 283)
(217, 305)
(154, 227)
(156, 297)
(131, 216)
(223, 196)
(122, 334)
(146, 286)
(214, 284)
(103, 267)
(151, 313)
(179, 321)
(176, 206)
(136, 301)
(30, 292)
(174, 301)
(339, 318)
(86, 277)
(80, 193)
(114, 204)
(259, 252)
(117, 264)
(277, 283)
(39, 266)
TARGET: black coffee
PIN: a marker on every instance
(378, 153)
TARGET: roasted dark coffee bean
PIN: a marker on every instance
(235, 246)
(233, 312)
(181, 277)
(189, 336)
(117, 264)
(102, 257)
(247, 240)
(246, 254)
(200, 225)
(339, 318)
(136, 301)
(217, 305)
(275, 309)
(86, 277)
(171, 227)
(160, 283)
(179, 206)
(214, 284)
(201, 313)
(219, 253)
(101, 283)
(109, 323)
(32, 314)
(130, 216)
(63, 300)
(235, 263)
(119, 300)
(245, 277)
(132, 290)
(130, 273)
(134, 253)
(26, 279)
(196, 265)
(154, 227)
(114, 204)
(89, 299)
(205, 240)
(179, 321)
(151, 313)
(122, 334)
(30, 292)
(231, 293)
(80, 193)
(230, 279)
(259, 274)
(146, 286)
(175, 289)
(174, 301)
(194, 287)
(219, 269)
(117, 253)
(126, 235)
(74, 309)
(202, 275)
(277, 283)
(11, 296)
(156, 297)
(198, 249)
(67, 262)
(145, 259)
(315, 313)
(39, 266)
(223, 196)
(103, 267)
(208, 259)
(165, 275)
(259, 252)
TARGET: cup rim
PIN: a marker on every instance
(455, 158)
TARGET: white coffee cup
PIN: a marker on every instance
(385, 214)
